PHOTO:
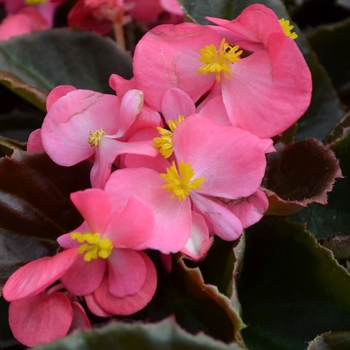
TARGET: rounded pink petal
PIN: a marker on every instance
(219, 219)
(41, 318)
(94, 306)
(36, 276)
(174, 52)
(231, 160)
(176, 102)
(84, 277)
(131, 303)
(126, 232)
(126, 272)
(80, 319)
(56, 93)
(173, 219)
(93, 204)
(34, 142)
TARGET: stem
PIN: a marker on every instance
(119, 34)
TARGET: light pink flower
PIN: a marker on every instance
(264, 92)
(81, 124)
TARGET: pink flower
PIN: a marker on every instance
(45, 317)
(264, 92)
(100, 258)
(81, 124)
(208, 160)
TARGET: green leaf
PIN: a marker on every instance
(60, 56)
(29, 93)
(35, 207)
(330, 43)
(164, 335)
(291, 289)
(324, 221)
(331, 341)
(197, 306)
(299, 174)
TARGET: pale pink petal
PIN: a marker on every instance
(93, 204)
(173, 219)
(219, 219)
(199, 243)
(231, 160)
(80, 319)
(67, 126)
(281, 93)
(66, 240)
(41, 318)
(126, 232)
(174, 52)
(34, 142)
(132, 303)
(56, 93)
(176, 102)
(37, 275)
(84, 276)
(215, 110)
(126, 272)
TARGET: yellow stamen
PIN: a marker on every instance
(165, 142)
(35, 2)
(95, 247)
(217, 61)
(95, 137)
(287, 28)
(181, 183)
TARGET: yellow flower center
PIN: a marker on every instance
(165, 142)
(217, 61)
(92, 245)
(287, 28)
(181, 183)
(35, 2)
(95, 137)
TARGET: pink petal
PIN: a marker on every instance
(174, 52)
(121, 85)
(199, 243)
(172, 217)
(93, 204)
(230, 159)
(84, 277)
(36, 276)
(281, 92)
(127, 272)
(94, 306)
(34, 142)
(176, 102)
(131, 303)
(126, 232)
(56, 93)
(219, 219)
(41, 318)
(80, 319)
(215, 110)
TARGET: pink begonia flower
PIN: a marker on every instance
(197, 59)
(46, 9)
(208, 160)
(104, 248)
(45, 317)
(27, 20)
(83, 124)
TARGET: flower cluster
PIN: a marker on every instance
(178, 156)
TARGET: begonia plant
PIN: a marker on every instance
(174, 174)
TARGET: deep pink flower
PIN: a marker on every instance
(264, 92)
(45, 317)
(81, 124)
